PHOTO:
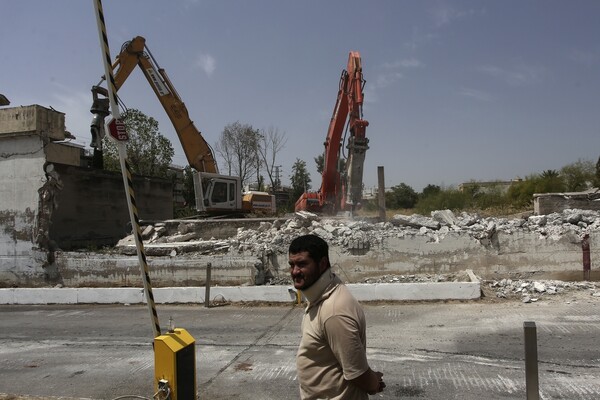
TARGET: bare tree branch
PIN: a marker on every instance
(271, 143)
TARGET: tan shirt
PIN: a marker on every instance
(333, 346)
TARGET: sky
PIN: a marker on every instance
(455, 91)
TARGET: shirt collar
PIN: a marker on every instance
(317, 289)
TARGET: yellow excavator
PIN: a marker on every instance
(216, 194)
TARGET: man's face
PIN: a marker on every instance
(304, 270)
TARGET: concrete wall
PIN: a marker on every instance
(47, 202)
(526, 255)
(67, 207)
(548, 203)
(516, 253)
(92, 208)
(21, 175)
(63, 153)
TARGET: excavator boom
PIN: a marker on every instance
(135, 53)
(215, 193)
(342, 190)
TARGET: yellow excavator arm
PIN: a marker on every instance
(215, 194)
(135, 53)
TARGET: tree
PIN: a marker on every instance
(550, 174)
(521, 193)
(320, 161)
(300, 179)
(401, 196)
(578, 176)
(430, 190)
(238, 146)
(148, 152)
(450, 198)
(271, 142)
(550, 181)
(188, 193)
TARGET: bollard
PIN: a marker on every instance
(531, 361)
(587, 263)
(381, 193)
(207, 287)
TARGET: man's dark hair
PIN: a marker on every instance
(316, 247)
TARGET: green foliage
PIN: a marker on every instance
(450, 199)
(578, 176)
(401, 196)
(430, 190)
(493, 198)
(188, 187)
(550, 174)
(521, 193)
(148, 152)
(300, 180)
(320, 161)
(472, 197)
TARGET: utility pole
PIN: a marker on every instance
(277, 180)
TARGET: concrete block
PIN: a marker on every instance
(7, 296)
(45, 296)
(251, 293)
(276, 294)
(416, 291)
(110, 296)
(179, 295)
(33, 119)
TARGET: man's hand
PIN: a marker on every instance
(371, 382)
(380, 382)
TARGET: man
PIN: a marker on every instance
(331, 360)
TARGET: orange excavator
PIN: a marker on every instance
(216, 194)
(341, 184)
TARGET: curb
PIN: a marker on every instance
(194, 295)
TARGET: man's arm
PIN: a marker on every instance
(371, 381)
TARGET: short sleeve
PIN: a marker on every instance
(343, 334)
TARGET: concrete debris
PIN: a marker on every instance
(462, 276)
(362, 236)
(531, 291)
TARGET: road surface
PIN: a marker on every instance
(439, 350)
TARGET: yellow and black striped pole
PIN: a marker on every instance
(118, 133)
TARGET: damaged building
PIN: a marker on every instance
(50, 197)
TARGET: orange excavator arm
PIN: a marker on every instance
(342, 191)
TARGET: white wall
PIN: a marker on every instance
(21, 175)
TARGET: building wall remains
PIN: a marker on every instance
(48, 202)
(549, 203)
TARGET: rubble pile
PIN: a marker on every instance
(270, 239)
(532, 291)
(413, 278)
(361, 234)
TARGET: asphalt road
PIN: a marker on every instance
(455, 350)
